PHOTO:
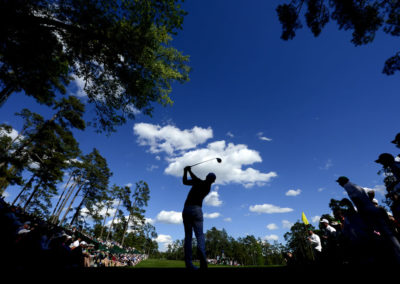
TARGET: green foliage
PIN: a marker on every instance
(120, 49)
(248, 250)
(363, 18)
(296, 242)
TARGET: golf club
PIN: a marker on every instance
(219, 160)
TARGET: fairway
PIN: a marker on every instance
(165, 263)
(161, 263)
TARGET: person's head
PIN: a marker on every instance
(211, 177)
(385, 159)
(27, 225)
(397, 140)
(371, 194)
(310, 232)
(324, 222)
(342, 180)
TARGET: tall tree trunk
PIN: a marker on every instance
(64, 202)
(29, 183)
(125, 229)
(104, 223)
(32, 194)
(127, 224)
(62, 194)
(70, 205)
(112, 222)
(78, 209)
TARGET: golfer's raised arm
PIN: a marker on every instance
(185, 179)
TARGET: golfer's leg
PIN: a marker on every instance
(187, 246)
(201, 245)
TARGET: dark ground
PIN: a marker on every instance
(297, 274)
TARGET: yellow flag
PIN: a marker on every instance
(303, 217)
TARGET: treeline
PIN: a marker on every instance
(59, 183)
(120, 54)
(220, 246)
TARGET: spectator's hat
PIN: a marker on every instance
(324, 221)
(83, 243)
(375, 201)
(385, 158)
(396, 139)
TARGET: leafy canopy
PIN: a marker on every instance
(119, 49)
(363, 18)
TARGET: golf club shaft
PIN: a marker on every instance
(203, 162)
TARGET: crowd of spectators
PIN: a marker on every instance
(361, 231)
(30, 242)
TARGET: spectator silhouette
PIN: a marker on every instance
(396, 140)
(193, 216)
(372, 215)
(387, 160)
(315, 242)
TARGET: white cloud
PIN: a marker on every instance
(79, 86)
(229, 219)
(315, 219)
(102, 210)
(180, 147)
(263, 138)
(165, 240)
(293, 192)
(287, 224)
(269, 209)
(271, 238)
(272, 226)
(328, 164)
(212, 199)
(170, 139)
(230, 134)
(13, 134)
(212, 215)
(169, 217)
(150, 221)
(381, 189)
(152, 168)
(230, 170)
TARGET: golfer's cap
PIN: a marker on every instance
(384, 158)
(211, 175)
(324, 221)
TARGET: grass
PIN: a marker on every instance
(160, 263)
(164, 263)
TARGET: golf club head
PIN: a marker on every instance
(219, 160)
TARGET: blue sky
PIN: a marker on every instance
(287, 118)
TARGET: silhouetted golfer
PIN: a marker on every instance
(193, 216)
